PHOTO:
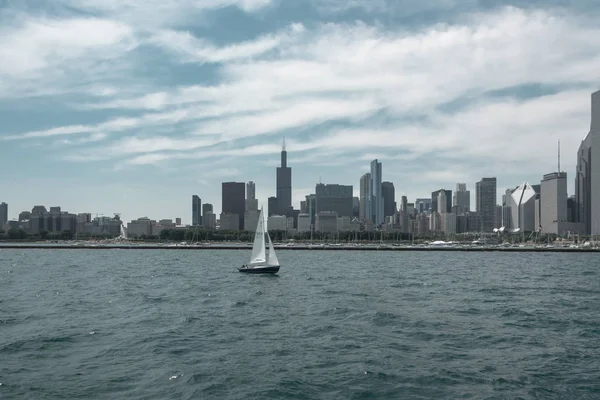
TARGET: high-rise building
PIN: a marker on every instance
(207, 208)
(522, 204)
(196, 210)
(423, 205)
(233, 200)
(436, 207)
(356, 207)
(250, 190)
(365, 197)
(284, 185)
(587, 177)
(389, 198)
(486, 203)
(376, 193)
(251, 200)
(334, 198)
(462, 198)
(3, 214)
(553, 203)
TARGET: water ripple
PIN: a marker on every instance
(186, 325)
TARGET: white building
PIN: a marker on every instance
(277, 223)
(304, 222)
(251, 219)
(326, 222)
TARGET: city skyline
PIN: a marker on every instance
(91, 125)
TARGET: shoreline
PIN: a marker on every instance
(300, 247)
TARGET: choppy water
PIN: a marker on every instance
(108, 324)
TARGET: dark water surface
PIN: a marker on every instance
(129, 324)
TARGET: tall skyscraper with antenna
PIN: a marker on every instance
(284, 184)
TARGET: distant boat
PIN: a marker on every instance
(260, 262)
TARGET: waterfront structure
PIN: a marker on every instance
(196, 210)
(376, 193)
(284, 185)
(485, 196)
(143, 226)
(233, 200)
(462, 198)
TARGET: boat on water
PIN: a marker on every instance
(261, 262)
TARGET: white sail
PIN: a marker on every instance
(258, 250)
(272, 260)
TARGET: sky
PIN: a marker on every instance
(133, 106)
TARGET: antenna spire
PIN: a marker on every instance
(558, 155)
(283, 144)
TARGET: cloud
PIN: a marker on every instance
(477, 89)
(193, 49)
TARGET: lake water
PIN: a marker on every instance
(169, 324)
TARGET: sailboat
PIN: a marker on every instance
(260, 261)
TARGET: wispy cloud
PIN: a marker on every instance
(144, 83)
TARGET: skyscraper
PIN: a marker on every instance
(553, 207)
(486, 203)
(233, 199)
(334, 198)
(462, 198)
(284, 184)
(587, 178)
(196, 210)
(251, 201)
(389, 199)
(376, 193)
(250, 190)
(365, 197)
(436, 207)
(3, 214)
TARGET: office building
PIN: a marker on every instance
(376, 193)
(587, 178)
(334, 198)
(233, 200)
(365, 197)
(554, 214)
(3, 214)
(423, 205)
(389, 198)
(462, 198)
(251, 200)
(196, 210)
(485, 198)
(522, 204)
(441, 207)
(284, 185)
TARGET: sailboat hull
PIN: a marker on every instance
(259, 270)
